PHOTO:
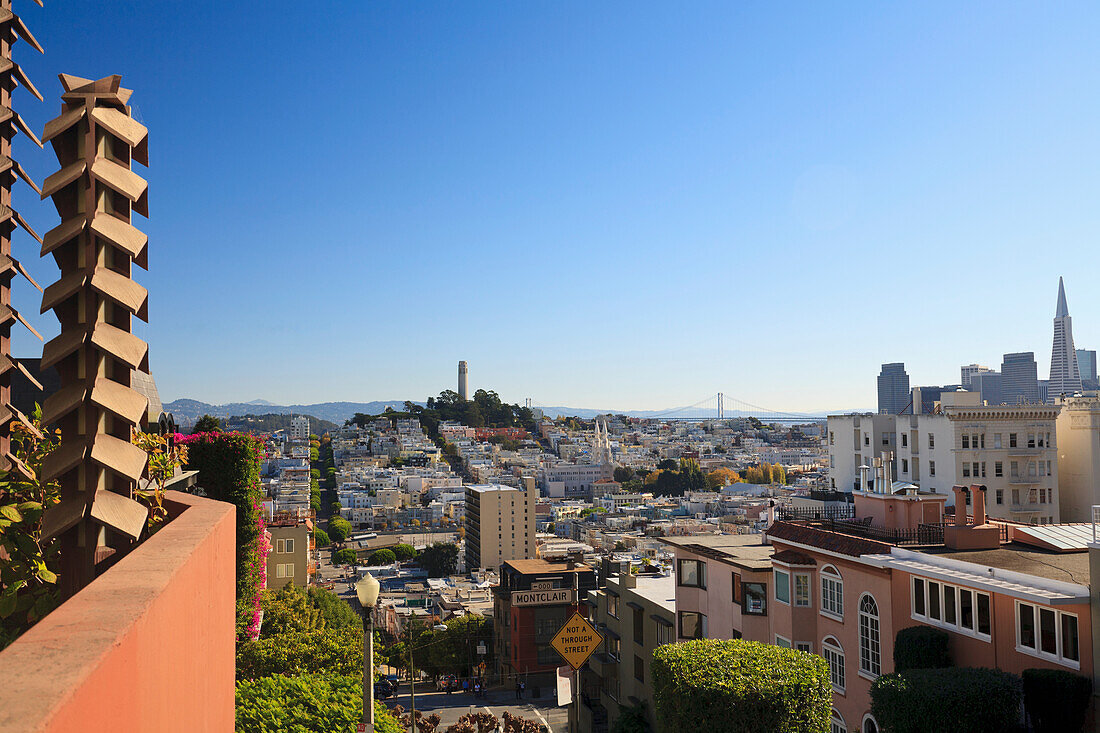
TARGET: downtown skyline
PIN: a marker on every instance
(595, 207)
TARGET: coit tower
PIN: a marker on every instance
(463, 392)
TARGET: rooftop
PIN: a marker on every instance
(743, 550)
(1068, 567)
(534, 567)
(658, 589)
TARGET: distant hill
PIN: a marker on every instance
(188, 411)
(270, 422)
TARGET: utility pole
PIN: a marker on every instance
(575, 728)
(412, 679)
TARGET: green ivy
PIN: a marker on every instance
(744, 684)
(1057, 701)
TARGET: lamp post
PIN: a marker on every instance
(366, 588)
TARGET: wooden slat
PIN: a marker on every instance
(121, 456)
(120, 289)
(61, 517)
(120, 344)
(62, 290)
(121, 179)
(61, 346)
(63, 459)
(62, 402)
(62, 233)
(121, 125)
(120, 513)
(121, 234)
(57, 181)
(62, 122)
(120, 399)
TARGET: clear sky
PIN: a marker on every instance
(615, 205)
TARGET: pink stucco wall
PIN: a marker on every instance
(147, 646)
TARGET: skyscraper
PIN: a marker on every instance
(1065, 376)
(1086, 363)
(1019, 378)
(968, 371)
(893, 389)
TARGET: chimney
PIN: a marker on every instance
(977, 493)
(771, 513)
(960, 505)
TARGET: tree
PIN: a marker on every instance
(301, 652)
(454, 651)
(339, 529)
(320, 538)
(345, 556)
(667, 465)
(384, 556)
(746, 685)
(623, 474)
(632, 719)
(207, 424)
(404, 552)
(440, 560)
(722, 477)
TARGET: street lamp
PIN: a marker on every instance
(366, 588)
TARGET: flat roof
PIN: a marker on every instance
(534, 567)
(659, 590)
(743, 550)
(1068, 567)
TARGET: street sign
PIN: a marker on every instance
(576, 641)
(360, 728)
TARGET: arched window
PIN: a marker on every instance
(834, 655)
(870, 725)
(869, 651)
(836, 722)
(832, 592)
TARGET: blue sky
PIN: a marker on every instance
(621, 205)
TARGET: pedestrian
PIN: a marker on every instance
(477, 689)
(465, 685)
(522, 689)
(519, 690)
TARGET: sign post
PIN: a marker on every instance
(575, 642)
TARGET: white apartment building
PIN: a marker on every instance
(1010, 449)
(1078, 457)
(299, 428)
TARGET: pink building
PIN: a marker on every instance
(1010, 596)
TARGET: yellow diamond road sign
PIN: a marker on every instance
(576, 641)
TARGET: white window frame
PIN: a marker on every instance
(784, 642)
(804, 646)
(829, 574)
(831, 650)
(836, 722)
(872, 625)
(868, 718)
(289, 545)
(802, 600)
(787, 581)
(956, 627)
(1057, 657)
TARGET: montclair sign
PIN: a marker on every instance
(541, 597)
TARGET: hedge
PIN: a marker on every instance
(306, 703)
(1056, 700)
(921, 647)
(951, 700)
(229, 470)
(746, 685)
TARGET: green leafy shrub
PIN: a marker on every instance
(382, 557)
(744, 684)
(950, 700)
(1056, 701)
(301, 652)
(306, 703)
(344, 557)
(632, 719)
(320, 537)
(921, 647)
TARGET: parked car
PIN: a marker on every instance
(383, 689)
(446, 682)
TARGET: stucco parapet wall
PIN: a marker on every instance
(124, 647)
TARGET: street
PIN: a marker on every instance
(452, 707)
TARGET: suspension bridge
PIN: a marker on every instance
(719, 406)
